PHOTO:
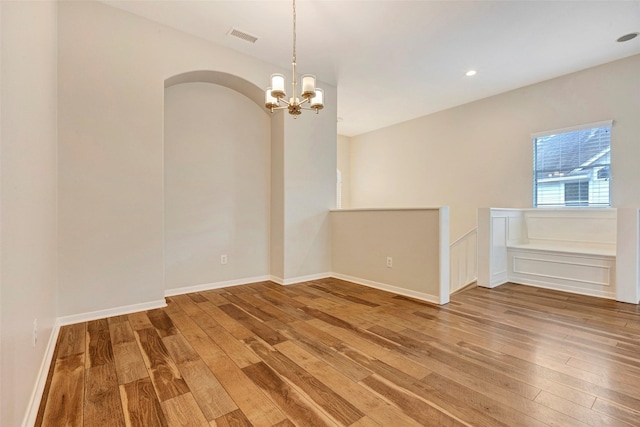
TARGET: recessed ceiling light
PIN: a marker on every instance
(470, 73)
(627, 37)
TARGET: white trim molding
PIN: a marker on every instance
(41, 380)
(434, 299)
(216, 285)
(575, 273)
(276, 279)
(604, 123)
(110, 312)
(445, 257)
(300, 279)
(463, 264)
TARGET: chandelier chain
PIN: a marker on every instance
(294, 31)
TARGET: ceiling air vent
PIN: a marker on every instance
(242, 35)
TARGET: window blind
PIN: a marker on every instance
(572, 168)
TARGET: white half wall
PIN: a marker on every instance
(497, 228)
(628, 255)
(28, 279)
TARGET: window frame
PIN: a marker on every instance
(571, 129)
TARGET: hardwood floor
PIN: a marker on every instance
(331, 353)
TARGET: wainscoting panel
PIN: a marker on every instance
(588, 275)
(464, 265)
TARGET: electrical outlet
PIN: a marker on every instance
(389, 262)
(223, 259)
(35, 332)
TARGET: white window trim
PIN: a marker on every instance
(605, 123)
(593, 125)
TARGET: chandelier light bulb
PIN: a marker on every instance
(317, 102)
(308, 86)
(270, 101)
(277, 86)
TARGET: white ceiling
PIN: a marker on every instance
(395, 60)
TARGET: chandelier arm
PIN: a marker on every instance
(317, 111)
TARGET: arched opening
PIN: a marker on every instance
(230, 81)
(217, 173)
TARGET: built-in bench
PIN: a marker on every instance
(566, 249)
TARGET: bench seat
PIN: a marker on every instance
(568, 247)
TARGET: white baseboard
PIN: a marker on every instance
(499, 279)
(464, 285)
(41, 380)
(300, 279)
(308, 278)
(276, 279)
(110, 312)
(389, 288)
(215, 285)
(564, 288)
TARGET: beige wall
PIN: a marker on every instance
(216, 185)
(480, 154)
(28, 288)
(309, 191)
(344, 165)
(112, 68)
(363, 239)
(82, 212)
(277, 220)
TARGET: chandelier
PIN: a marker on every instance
(310, 94)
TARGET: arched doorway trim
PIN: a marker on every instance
(236, 83)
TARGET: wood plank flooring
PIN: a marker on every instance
(331, 353)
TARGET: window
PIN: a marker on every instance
(571, 166)
(576, 193)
